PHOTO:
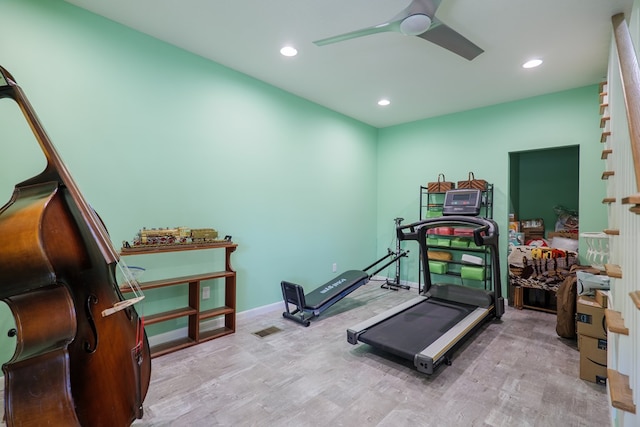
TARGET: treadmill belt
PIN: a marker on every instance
(414, 329)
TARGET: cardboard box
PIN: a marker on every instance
(590, 319)
(532, 228)
(602, 298)
(593, 359)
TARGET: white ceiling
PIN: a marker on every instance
(421, 79)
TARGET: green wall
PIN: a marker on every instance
(480, 140)
(546, 179)
(156, 137)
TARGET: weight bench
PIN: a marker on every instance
(315, 302)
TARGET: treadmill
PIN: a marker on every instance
(429, 328)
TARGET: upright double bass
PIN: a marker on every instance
(82, 357)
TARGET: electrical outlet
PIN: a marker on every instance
(206, 292)
(335, 267)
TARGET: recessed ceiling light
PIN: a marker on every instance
(532, 63)
(384, 102)
(289, 51)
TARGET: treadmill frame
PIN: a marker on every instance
(429, 358)
(485, 234)
(440, 350)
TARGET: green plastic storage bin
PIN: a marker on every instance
(460, 243)
(437, 267)
(444, 242)
(472, 273)
(434, 213)
(432, 241)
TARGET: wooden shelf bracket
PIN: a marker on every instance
(621, 394)
(615, 322)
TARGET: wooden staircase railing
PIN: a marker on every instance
(631, 89)
(622, 156)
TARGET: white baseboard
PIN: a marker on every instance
(242, 316)
(254, 312)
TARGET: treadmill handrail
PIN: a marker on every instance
(411, 231)
(418, 231)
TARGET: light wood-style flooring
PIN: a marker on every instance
(514, 372)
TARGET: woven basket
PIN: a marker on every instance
(473, 183)
(440, 186)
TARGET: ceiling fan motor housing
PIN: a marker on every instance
(414, 25)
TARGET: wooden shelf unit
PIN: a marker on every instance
(434, 201)
(549, 299)
(192, 311)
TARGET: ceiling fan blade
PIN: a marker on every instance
(448, 38)
(418, 18)
(382, 28)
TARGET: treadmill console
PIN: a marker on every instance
(462, 202)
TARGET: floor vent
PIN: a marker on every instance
(268, 331)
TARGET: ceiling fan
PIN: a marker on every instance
(417, 19)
